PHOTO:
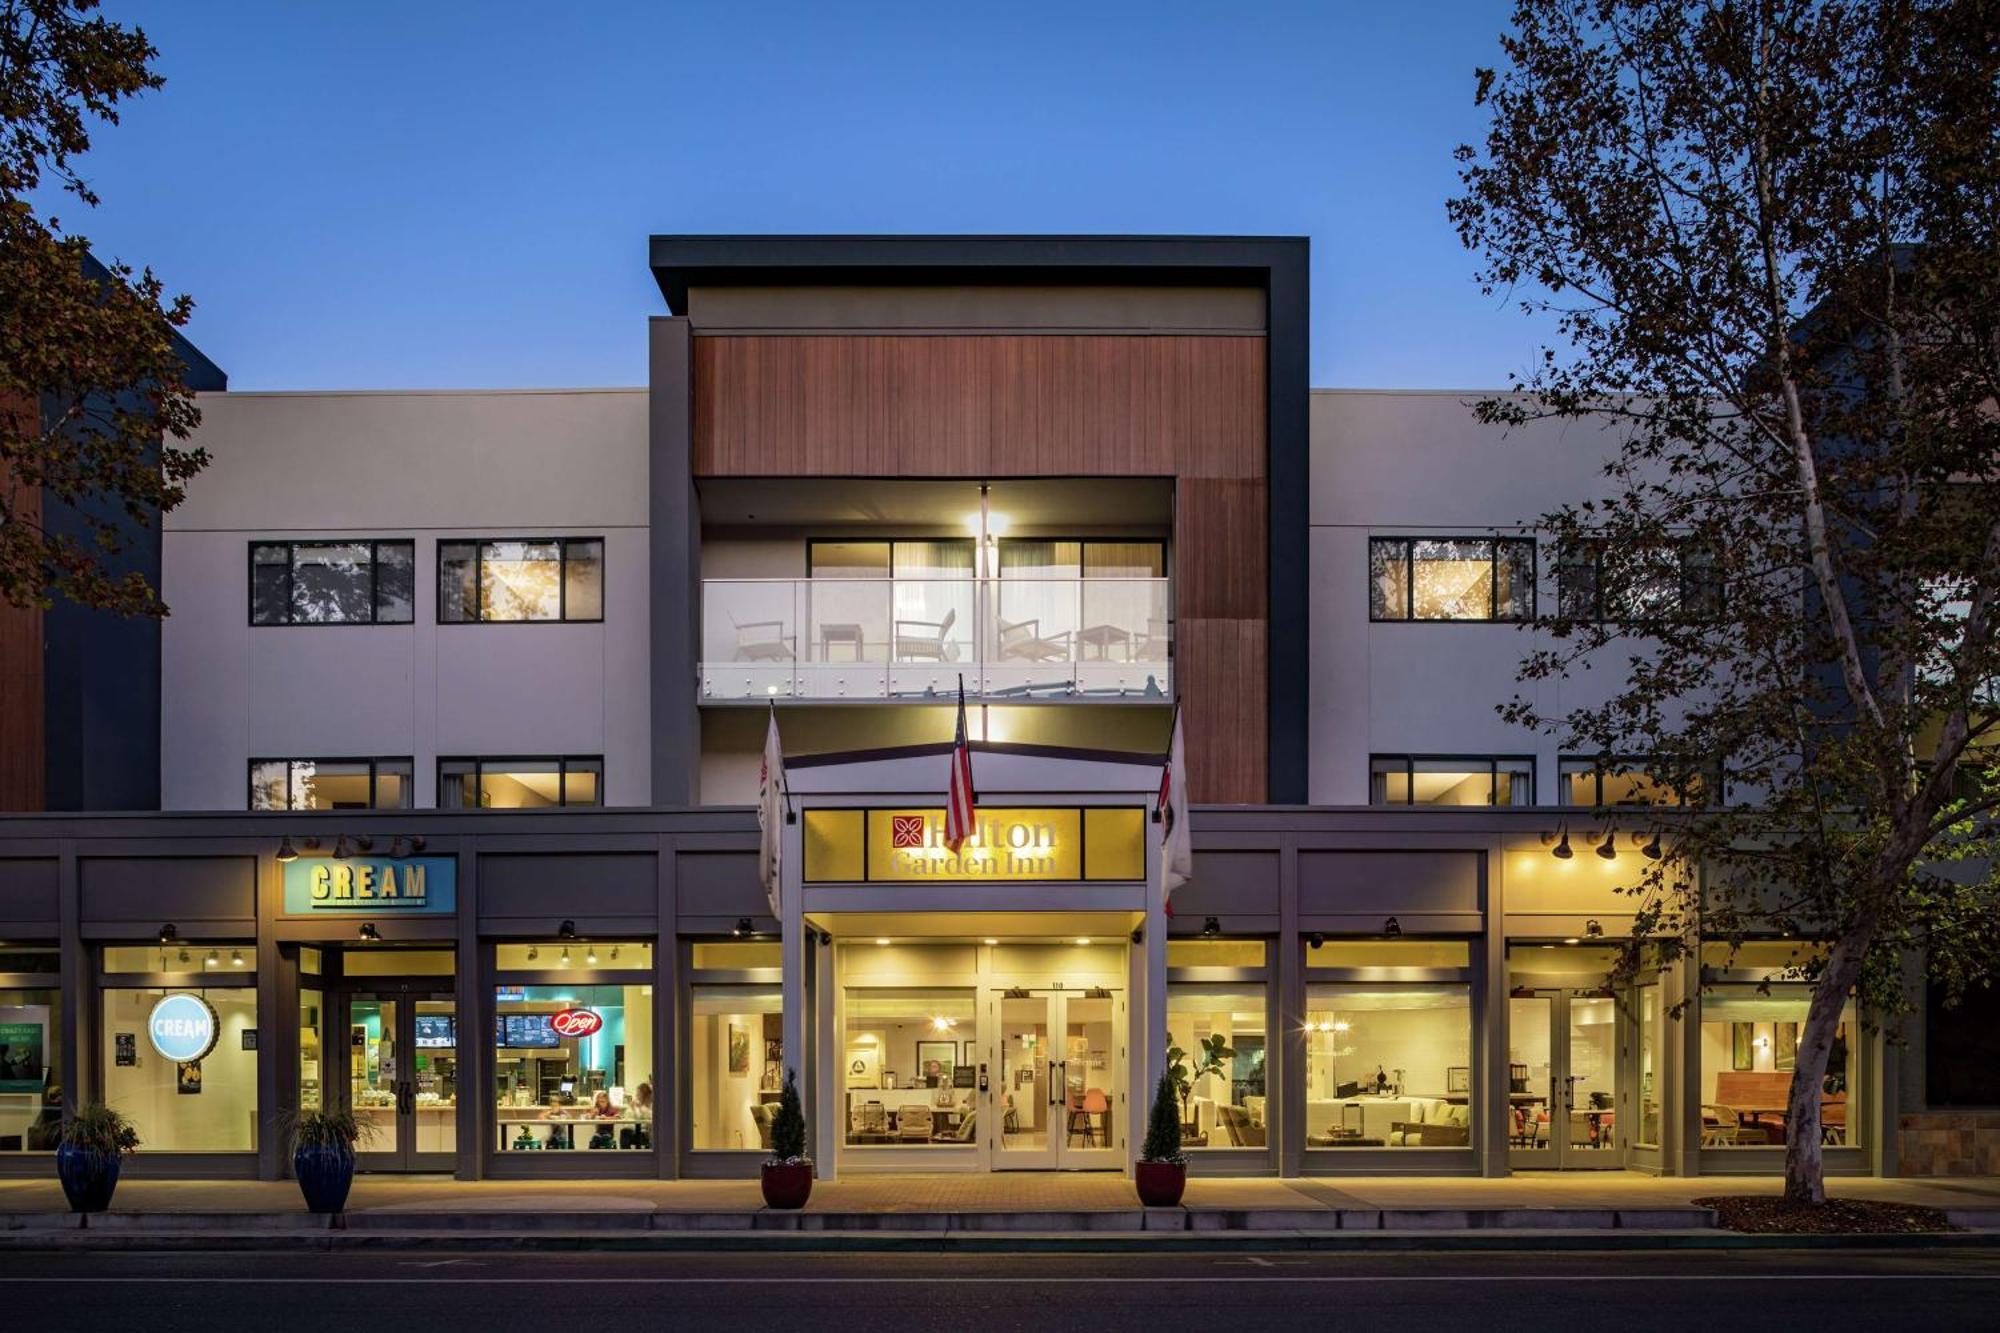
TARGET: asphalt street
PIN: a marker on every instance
(1232, 1292)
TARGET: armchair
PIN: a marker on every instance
(926, 640)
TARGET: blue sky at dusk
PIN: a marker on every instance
(432, 194)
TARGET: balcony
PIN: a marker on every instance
(914, 638)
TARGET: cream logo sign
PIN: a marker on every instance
(576, 1022)
(906, 831)
(183, 1027)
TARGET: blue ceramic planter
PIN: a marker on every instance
(88, 1178)
(325, 1175)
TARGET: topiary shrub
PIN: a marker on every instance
(1163, 1125)
(788, 1125)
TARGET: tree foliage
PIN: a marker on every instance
(93, 397)
(1163, 1124)
(788, 1124)
(1765, 234)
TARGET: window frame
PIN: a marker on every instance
(889, 574)
(1082, 565)
(374, 763)
(563, 617)
(292, 545)
(1495, 541)
(1492, 761)
(1265, 977)
(1591, 556)
(480, 763)
(1635, 762)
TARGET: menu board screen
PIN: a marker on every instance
(526, 1030)
(436, 1031)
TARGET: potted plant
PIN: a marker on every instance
(1161, 1171)
(323, 1156)
(93, 1144)
(1215, 1049)
(788, 1175)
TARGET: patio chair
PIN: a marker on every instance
(926, 640)
(762, 641)
(1023, 641)
(1721, 1125)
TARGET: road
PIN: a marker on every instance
(1691, 1292)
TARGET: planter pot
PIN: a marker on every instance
(325, 1175)
(88, 1178)
(787, 1184)
(1161, 1184)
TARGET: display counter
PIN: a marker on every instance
(533, 1129)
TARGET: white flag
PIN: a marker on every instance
(1177, 851)
(771, 810)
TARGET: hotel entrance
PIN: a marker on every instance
(993, 1054)
(1059, 1080)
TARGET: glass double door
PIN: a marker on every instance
(1564, 1057)
(402, 1052)
(1056, 1097)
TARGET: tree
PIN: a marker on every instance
(1764, 232)
(788, 1124)
(92, 389)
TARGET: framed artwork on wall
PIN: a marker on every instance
(739, 1049)
(1742, 1054)
(935, 1061)
(1785, 1046)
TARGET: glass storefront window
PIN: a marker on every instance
(205, 1105)
(573, 1068)
(30, 1069)
(1215, 953)
(736, 1065)
(312, 1015)
(552, 956)
(1749, 1048)
(183, 957)
(1388, 1066)
(1649, 1066)
(910, 1059)
(1225, 1105)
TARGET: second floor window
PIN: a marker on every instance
(520, 783)
(1669, 581)
(1451, 578)
(330, 784)
(1627, 781)
(364, 582)
(521, 579)
(1400, 779)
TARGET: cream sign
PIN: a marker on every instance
(364, 885)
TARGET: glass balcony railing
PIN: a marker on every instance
(880, 638)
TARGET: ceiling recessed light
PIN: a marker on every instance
(1083, 939)
(992, 941)
(882, 941)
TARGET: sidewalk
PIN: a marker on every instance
(439, 1211)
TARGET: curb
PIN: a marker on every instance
(1547, 1240)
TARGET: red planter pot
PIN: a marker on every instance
(787, 1185)
(1161, 1184)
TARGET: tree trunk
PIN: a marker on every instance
(1805, 1175)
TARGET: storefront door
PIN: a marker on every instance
(1056, 1096)
(402, 1044)
(1564, 1079)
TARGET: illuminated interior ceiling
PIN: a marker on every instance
(1451, 788)
(1055, 505)
(1585, 965)
(509, 789)
(1041, 927)
(834, 728)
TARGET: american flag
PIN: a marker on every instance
(960, 801)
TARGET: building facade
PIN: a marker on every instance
(463, 700)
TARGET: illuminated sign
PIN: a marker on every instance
(183, 1026)
(364, 886)
(1011, 845)
(575, 1022)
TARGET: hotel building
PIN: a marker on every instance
(457, 721)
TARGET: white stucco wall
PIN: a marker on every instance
(1417, 463)
(427, 466)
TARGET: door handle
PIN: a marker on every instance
(406, 1101)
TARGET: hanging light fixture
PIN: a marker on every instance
(1561, 851)
(214, 959)
(1651, 850)
(565, 956)
(236, 958)
(1607, 847)
(590, 956)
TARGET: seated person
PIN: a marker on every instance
(601, 1107)
(555, 1110)
(602, 1137)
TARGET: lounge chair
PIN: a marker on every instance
(926, 640)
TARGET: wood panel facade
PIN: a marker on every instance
(997, 405)
(22, 702)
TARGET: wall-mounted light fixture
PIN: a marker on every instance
(1210, 927)
(566, 931)
(1316, 940)
(368, 931)
(340, 849)
(1392, 928)
(169, 933)
(743, 928)
(236, 958)
(1652, 849)
(1607, 846)
(533, 953)
(1593, 930)
(286, 853)
(1561, 850)
(214, 959)
(1138, 934)
(590, 956)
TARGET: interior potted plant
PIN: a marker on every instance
(94, 1142)
(788, 1175)
(323, 1156)
(1161, 1171)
